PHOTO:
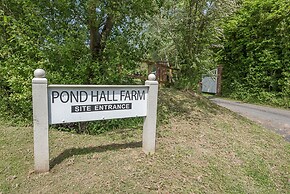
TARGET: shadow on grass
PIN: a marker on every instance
(83, 151)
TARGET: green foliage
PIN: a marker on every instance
(98, 127)
(19, 55)
(185, 33)
(54, 36)
(171, 104)
(101, 42)
(256, 53)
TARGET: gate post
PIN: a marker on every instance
(40, 121)
(149, 126)
(219, 80)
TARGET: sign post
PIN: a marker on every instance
(54, 104)
(40, 121)
(149, 126)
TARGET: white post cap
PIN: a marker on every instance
(39, 73)
(151, 77)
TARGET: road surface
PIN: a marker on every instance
(271, 118)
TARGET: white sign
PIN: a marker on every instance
(72, 103)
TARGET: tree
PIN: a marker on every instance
(186, 32)
(256, 52)
(108, 21)
(76, 42)
(19, 52)
(101, 41)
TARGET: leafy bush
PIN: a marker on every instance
(257, 51)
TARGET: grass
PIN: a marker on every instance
(201, 148)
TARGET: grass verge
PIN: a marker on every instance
(200, 149)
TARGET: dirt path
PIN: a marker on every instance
(271, 118)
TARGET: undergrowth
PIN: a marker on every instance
(171, 103)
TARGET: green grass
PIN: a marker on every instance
(201, 148)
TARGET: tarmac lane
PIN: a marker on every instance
(271, 118)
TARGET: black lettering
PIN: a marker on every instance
(62, 96)
(141, 96)
(114, 99)
(54, 95)
(134, 95)
(108, 96)
(94, 96)
(72, 95)
(122, 94)
(83, 96)
(127, 95)
(103, 96)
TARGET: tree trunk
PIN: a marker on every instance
(99, 33)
